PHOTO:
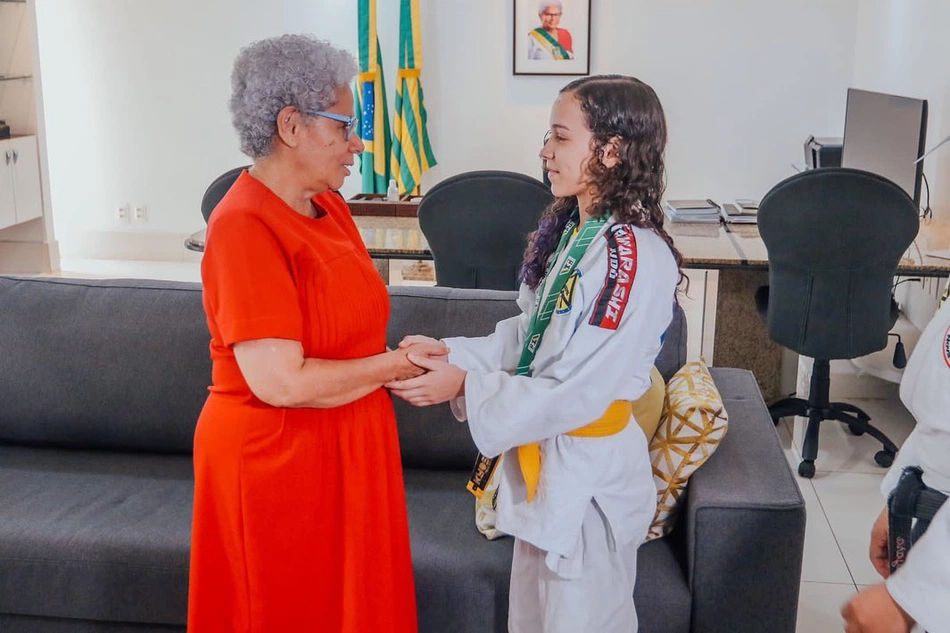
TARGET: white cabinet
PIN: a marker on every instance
(7, 201)
(20, 194)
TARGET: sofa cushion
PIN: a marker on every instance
(694, 423)
(31, 624)
(79, 359)
(461, 577)
(661, 595)
(672, 355)
(95, 535)
(648, 408)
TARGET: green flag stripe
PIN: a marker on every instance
(375, 165)
(363, 28)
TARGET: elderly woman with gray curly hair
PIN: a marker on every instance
(549, 41)
(300, 513)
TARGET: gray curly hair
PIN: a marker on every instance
(289, 70)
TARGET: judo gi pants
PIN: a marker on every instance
(590, 592)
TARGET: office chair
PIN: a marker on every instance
(477, 224)
(217, 189)
(834, 238)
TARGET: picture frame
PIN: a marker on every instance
(551, 37)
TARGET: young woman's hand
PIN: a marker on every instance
(441, 382)
(431, 343)
(878, 549)
(426, 347)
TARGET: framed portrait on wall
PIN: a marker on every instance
(552, 37)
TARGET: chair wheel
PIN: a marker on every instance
(806, 469)
(884, 459)
(856, 430)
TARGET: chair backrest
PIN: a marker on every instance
(216, 190)
(834, 238)
(477, 224)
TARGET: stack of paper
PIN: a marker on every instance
(734, 214)
(747, 206)
(692, 211)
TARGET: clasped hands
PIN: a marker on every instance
(437, 381)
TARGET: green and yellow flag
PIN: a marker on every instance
(373, 124)
(411, 153)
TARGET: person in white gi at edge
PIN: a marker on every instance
(551, 389)
(918, 592)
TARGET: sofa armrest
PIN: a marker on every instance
(745, 522)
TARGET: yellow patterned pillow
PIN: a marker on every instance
(694, 421)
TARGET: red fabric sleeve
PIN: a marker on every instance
(249, 279)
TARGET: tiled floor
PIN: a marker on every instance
(842, 500)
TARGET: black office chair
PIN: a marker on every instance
(217, 189)
(477, 225)
(834, 237)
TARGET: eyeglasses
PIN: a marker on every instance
(348, 121)
(551, 15)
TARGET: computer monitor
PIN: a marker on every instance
(885, 134)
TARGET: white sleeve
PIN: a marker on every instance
(906, 456)
(596, 367)
(499, 351)
(922, 583)
(535, 50)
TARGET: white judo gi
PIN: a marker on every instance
(574, 562)
(921, 586)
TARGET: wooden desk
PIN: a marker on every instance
(932, 236)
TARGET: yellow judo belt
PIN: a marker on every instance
(614, 420)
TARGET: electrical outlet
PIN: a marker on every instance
(122, 214)
(140, 214)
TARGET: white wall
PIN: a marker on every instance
(135, 98)
(135, 92)
(902, 48)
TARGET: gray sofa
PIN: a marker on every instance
(101, 383)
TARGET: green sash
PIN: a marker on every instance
(485, 466)
(544, 38)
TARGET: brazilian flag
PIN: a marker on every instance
(373, 123)
(411, 152)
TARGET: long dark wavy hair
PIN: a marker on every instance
(627, 109)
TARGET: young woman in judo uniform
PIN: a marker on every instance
(551, 389)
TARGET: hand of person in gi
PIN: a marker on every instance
(873, 610)
(442, 380)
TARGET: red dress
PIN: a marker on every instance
(300, 514)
